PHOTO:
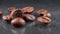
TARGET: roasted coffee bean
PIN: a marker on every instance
(44, 20)
(28, 9)
(16, 13)
(29, 17)
(41, 12)
(18, 22)
(1, 13)
(8, 17)
(10, 9)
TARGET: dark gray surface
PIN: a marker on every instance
(53, 6)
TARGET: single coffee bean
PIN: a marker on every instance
(1, 13)
(41, 12)
(28, 9)
(18, 22)
(8, 17)
(29, 17)
(44, 20)
(10, 9)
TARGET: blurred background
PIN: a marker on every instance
(28, 1)
(12, 2)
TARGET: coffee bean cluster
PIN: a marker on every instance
(18, 16)
(44, 17)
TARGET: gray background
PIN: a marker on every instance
(53, 6)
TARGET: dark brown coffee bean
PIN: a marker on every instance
(18, 22)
